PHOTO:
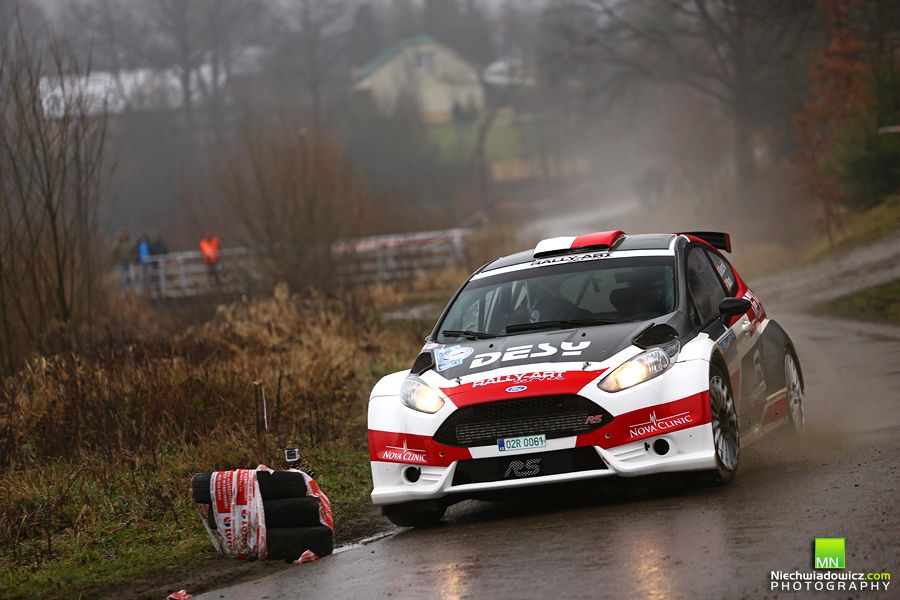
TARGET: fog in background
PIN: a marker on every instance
(594, 113)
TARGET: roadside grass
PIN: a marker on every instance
(141, 520)
(100, 447)
(761, 258)
(880, 303)
(859, 229)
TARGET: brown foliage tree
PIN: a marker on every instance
(837, 73)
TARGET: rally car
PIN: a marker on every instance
(591, 356)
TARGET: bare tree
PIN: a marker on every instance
(178, 25)
(738, 53)
(291, 195)
(314, 45)
(20, 14)
(52, 171)
(107, 30)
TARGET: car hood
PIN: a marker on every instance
(592, 344)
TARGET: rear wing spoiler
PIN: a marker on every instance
(716, 239)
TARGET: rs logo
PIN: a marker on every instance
(529, 468)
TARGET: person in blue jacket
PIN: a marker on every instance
(143, 257)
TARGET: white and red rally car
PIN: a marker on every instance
(590, 356)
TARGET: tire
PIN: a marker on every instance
(415, 514)
(292, 512)
(281, 485)
(200, 488)
(288, 543)
(725, 428)
(794, 392)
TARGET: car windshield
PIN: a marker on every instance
(591, 292)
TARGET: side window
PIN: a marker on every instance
(726, 274)
(704, 284)
(474, 315)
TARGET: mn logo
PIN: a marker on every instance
(830, 553)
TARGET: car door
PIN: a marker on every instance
(750, 381)
(708, 287)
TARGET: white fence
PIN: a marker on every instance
(398, 257)
(362, 260)
(184, 274)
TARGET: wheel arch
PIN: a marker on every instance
(716, 358)
(779, 336)
(389, 385)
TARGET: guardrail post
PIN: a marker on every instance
(182, 277)
(457, 254)
(162, 278)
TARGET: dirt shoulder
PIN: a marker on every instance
(220, 572)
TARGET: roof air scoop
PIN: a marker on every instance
(601, 240)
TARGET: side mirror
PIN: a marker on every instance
(731, 307)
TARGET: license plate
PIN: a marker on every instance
(526, 442)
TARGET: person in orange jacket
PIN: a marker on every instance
(209, 248)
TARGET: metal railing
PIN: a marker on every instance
(184, 274)
(361, 260)
(400, 256)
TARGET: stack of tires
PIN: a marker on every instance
(292, 517)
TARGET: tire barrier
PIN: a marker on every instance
(259, 513)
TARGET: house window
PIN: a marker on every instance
(425, 60)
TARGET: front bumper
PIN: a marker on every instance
(673, 407)
(689, 450)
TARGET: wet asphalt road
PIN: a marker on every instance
(661, 538)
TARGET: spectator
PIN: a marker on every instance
(123, 257)
(142, 252)
(157, 247)
(209, 248)
(157, 268)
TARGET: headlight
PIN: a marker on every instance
(642, 367)
(418, 395)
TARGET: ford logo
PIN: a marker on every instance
(516, 388)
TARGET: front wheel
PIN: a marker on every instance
(415, 514)
(725, 430)
(794, 392)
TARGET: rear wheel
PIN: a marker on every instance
(415, 514)
(726, 433)
(794, 392)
